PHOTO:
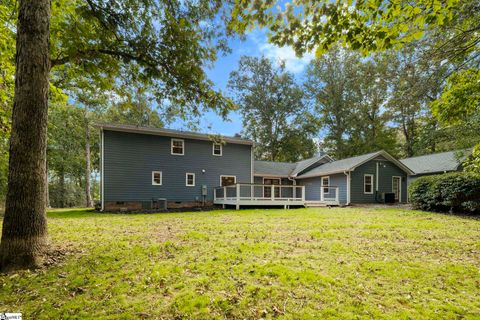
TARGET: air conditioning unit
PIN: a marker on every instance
(389, 197)
(159, 204)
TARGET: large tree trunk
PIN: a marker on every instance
(88, 166)
(24, 233)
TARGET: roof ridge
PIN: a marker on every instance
(435, 153)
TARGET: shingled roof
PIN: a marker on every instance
(171, 133)
(437, 162)
(272, 168)
(350, 164)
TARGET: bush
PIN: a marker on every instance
(450, 192)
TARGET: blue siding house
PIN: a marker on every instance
(141, 167)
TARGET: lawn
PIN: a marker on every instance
(292, 264)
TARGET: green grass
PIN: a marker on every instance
(293, 264)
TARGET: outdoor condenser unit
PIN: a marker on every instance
(389, 197)
(159, 204)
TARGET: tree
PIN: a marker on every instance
(162, 45)
(272, 107)
(370, 128)
(329, 83)
(24, 230)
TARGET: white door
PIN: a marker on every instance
(397, 187)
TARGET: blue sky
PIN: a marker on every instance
(255, 44)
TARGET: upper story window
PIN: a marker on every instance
(190, 179)
(156, 178)
(178, 147)
(217, 149)
(368, 184)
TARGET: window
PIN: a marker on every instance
(217, 149)
(326, 184)
(227, 180)
(178, 147)
(157, 178)
(190, 179)
(368, 184)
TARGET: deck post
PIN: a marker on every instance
(336, 195)
(303, 193)
(321, 193)
(237, 196)
(214, 195)
(224, 193)
(252, 189)
(272, 195)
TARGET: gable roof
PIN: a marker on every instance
(305, 164)
(349, 164)
(171, 133)
(437, 162)
(272, 168)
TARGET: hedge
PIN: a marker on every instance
(449, 192)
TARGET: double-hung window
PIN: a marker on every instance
(326, 184)
(368, 184)
(217, 149)
(178, 147)
(190, 179)
(156, 178)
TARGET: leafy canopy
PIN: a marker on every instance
(366, 25)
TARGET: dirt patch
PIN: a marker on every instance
(56, 255)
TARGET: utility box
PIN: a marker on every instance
(389, 197)
(204, 190)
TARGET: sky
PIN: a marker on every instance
(255, 44)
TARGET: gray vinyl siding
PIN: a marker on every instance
(313, 185)
(130, 158)
(384, 181)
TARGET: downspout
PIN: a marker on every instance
(347, 174)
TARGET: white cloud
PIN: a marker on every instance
(293, 63)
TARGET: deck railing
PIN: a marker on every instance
(259, 192)
(329, 194)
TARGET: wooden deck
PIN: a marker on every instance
(246, 194)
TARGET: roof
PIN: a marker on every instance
(171, 133)
(350, 164)
(304, 164)
(437, 162)
(271, 168)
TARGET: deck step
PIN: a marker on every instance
(318, 204)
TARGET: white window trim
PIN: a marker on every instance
(364, 184)
(328, 184)
(227, 176)
(186, 179)
(399, 187)
(161, 178)
(171, 147)
(213, 149)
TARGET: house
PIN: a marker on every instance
(436, 163)
(141, 167)
(361, 179)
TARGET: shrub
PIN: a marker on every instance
(450, 192)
